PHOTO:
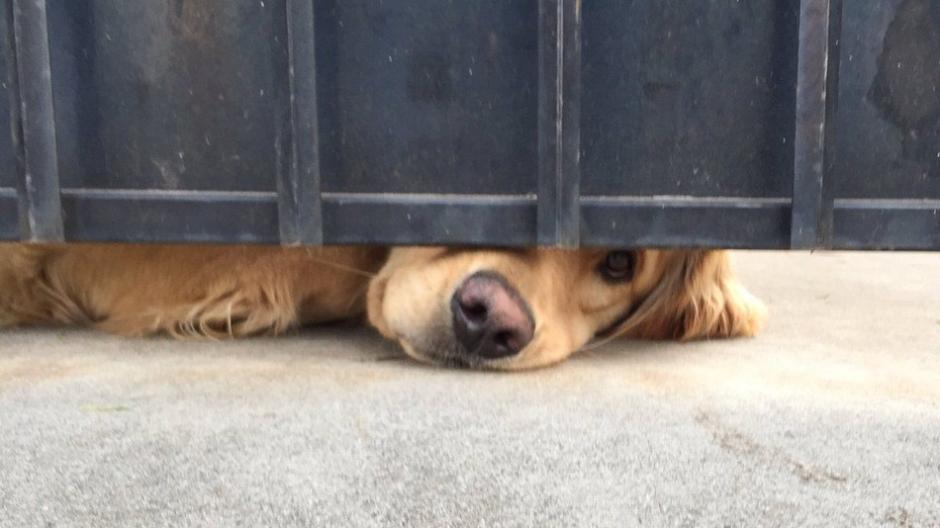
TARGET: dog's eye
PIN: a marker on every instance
(618, 266)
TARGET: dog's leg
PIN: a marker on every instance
(185, 291)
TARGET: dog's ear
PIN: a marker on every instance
(697, 298)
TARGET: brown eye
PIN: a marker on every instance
(618, 266)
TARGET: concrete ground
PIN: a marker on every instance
(830, 418)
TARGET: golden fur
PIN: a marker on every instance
(236, 291)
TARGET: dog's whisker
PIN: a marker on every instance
(594, 345)
(356, 297)
(615, 335)
(336, 265)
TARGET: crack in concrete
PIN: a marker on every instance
(736, 442)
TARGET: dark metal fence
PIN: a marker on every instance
(757, 123)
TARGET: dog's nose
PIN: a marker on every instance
(491, 320)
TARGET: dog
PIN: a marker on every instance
(494, 309)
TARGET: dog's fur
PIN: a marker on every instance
(236, 291)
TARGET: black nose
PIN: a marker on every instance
(490, 318)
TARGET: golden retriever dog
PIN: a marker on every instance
(503, 309)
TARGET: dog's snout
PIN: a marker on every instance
(490, 319)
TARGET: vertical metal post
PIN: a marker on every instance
(811, 214)
(559, 127)
(299, 201)
(33, 116)
(826, 229)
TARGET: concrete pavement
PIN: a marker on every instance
(830, 418)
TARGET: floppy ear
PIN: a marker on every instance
(697, 298)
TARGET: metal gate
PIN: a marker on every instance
(756, 123)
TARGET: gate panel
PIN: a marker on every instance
(168, 95)
(428, 96)
(888, 123)
(886, 171)
(697, 101)
(688, 123)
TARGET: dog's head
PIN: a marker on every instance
(517, 309)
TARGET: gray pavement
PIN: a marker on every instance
(830, 418)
